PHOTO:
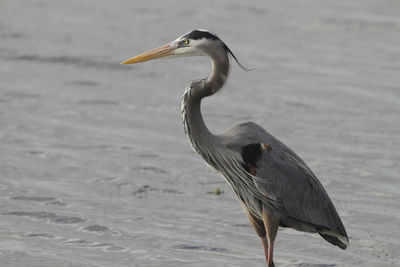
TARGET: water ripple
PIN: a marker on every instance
(52, 217)
(200, 247)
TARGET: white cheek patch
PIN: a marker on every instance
(193, 48)
(189, 51)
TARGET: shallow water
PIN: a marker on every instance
(95, 169)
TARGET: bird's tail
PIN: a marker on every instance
(335, 238)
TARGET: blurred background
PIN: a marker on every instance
(95, 169)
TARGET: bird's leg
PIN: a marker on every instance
(265, 246)
(270, 261)
(271, 224)
(259, 227)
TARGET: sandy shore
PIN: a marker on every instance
(95, 169)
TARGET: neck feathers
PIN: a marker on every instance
(219, 73)
(206, 144)
(216, 79)
(195, 128)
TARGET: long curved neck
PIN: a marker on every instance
(219, 73)
(202, 140)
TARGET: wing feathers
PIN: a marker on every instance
(291, 187)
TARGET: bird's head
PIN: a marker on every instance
(194, 43)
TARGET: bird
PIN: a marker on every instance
(274, 185)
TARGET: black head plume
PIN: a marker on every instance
(204, 34)
(237, 61)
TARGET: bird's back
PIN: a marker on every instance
(288, 185)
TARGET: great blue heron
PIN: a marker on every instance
(273, 184)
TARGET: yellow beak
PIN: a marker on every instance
(163, 51)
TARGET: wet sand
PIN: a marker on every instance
(95, 169)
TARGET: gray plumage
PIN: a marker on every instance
(287, 184)
(274, 185)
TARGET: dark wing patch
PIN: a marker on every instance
(251, 154)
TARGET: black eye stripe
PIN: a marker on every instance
(196, 34)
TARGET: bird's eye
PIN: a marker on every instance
(186, 41)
